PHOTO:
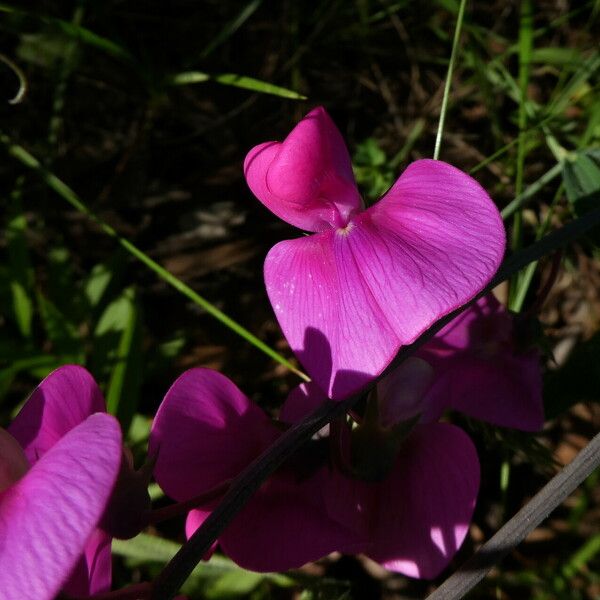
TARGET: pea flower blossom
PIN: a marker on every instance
(369, 280)
(483, 370)
(206, 431)
(59, 462)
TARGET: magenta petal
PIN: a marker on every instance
(480, 371)
(505, 392)
(284, 526)
(47, 517)
(348, 299)
(205, 432)
(194, 519)
(300, 402)
(13, 462)
(401, 394)
(93, 572)
(426, 505)
(307, 179)
(63, 399)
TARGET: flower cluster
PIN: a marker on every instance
(63, 475)
(390, 480)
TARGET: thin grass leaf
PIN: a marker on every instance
(39, 365)
(525, 50)
(146, 548)
(63, 190)
(531, 190)
(61, 331)
(20, 272)
(558, 57)
(240, 81)
(231, 27)
(77, 32)
(119, 337)
(582, 557)
(448, 83)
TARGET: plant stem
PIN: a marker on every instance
(525, 49)
(174, 510)
(453, 55)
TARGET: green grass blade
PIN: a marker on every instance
(525, 51)
(531, 190)
(118, 331)
(240, 81)
(453, 57)
(20, 271)
(63, 190)
(231, 27)
(77, 32)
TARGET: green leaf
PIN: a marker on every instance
(557, 56)
(146, 548)
(75, 31)
(40, 365)
(20, 271)
(231, 27)
(233, 585)
(104, 278)
(240, 81)
(581, 176)
(61, 331)
(118, 333)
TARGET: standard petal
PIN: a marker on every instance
(205, 432)
(307, 179)
(63, 399)
(47, 517)
(426, 505)
(348, 299)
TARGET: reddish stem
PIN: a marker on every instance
(548, 284)
(180, 508)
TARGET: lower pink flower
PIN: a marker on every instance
(412, 520)
(65, 412)
(49, 511)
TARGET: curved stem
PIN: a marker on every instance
(179, 508)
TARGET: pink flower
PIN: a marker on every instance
(204, 434)
(482, 372)
(55, 509)
(411, 520)
(369, 281)
(57, 472)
